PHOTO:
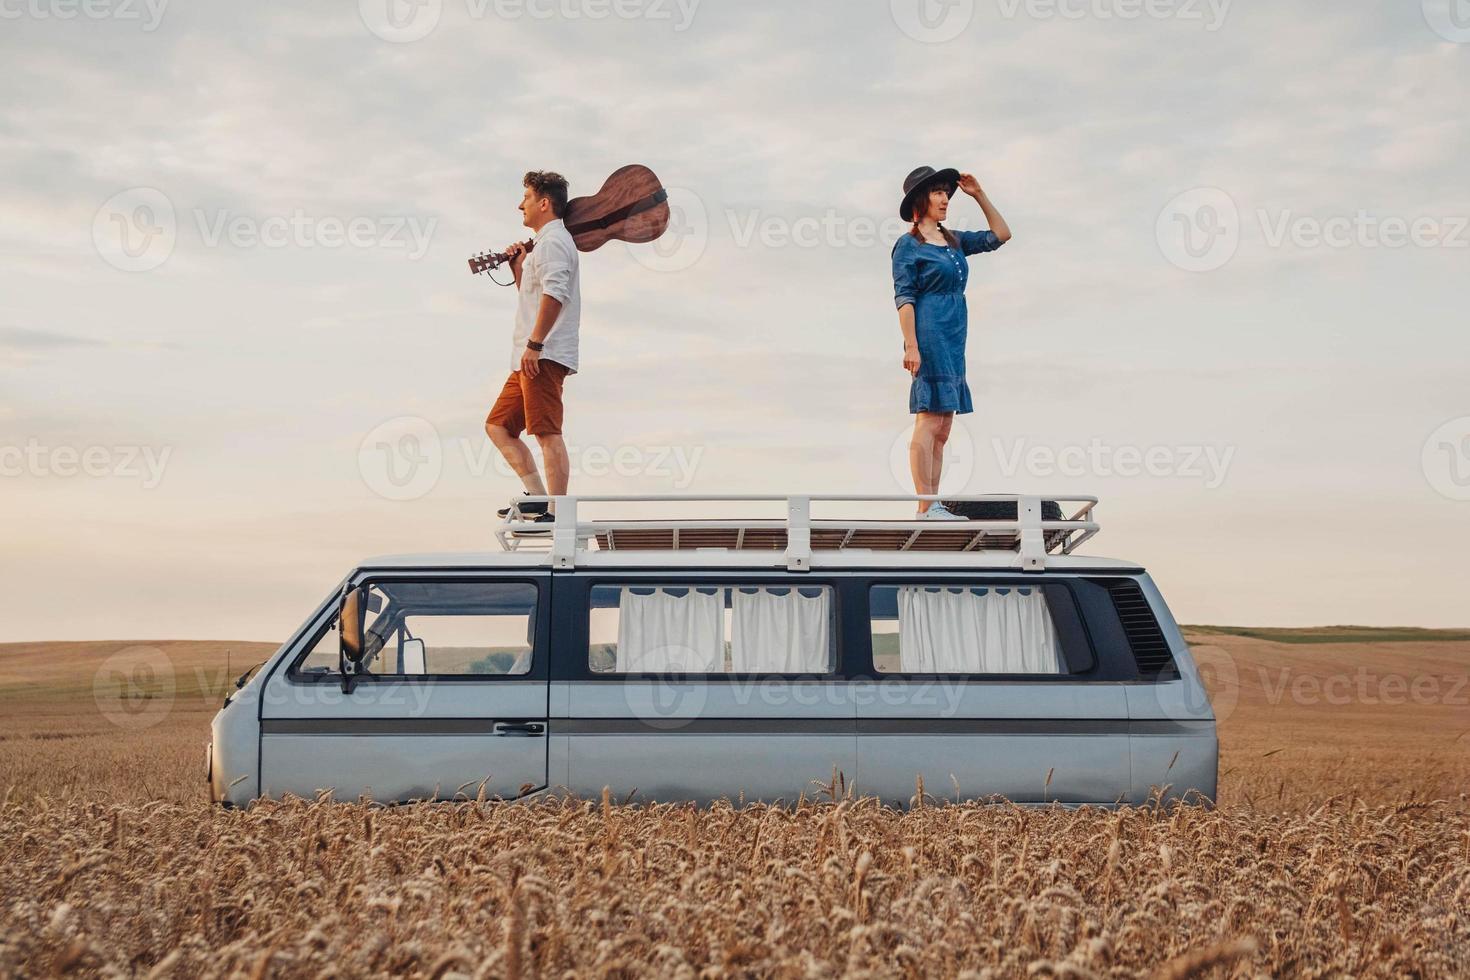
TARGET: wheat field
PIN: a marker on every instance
(1340, 846)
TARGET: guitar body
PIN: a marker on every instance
(631, 206)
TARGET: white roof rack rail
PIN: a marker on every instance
(798, 534)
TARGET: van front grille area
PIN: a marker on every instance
(1150, 649)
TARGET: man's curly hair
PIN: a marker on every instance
(550, 185)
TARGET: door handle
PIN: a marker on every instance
(519, 729)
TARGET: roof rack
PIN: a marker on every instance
(799, 533)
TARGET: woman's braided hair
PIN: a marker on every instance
(921, 208)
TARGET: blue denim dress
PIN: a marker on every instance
(932, 278)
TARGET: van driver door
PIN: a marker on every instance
(450, 701)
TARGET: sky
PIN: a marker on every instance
(240, 350)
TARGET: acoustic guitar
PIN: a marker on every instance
(631, 206)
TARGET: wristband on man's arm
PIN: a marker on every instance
(535, 346)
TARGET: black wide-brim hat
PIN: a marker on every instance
(920, 182)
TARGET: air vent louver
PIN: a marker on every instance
(1150, 649)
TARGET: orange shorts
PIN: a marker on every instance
(531, 404)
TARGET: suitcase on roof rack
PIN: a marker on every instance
(999, 510)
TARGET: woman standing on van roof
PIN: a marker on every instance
(930, 270)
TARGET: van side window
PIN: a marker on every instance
(711, 629)
(488, 643)
(322, 657)
(440, 629)
(962, 629)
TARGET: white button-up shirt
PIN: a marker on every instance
(551, 270)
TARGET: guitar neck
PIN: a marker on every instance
(486, 261)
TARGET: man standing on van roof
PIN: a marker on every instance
(544, 346)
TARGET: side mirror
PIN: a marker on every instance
(349, 625)
(411, 658)
(349, 630)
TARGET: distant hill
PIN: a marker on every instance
(1338, 634)
(204, 669)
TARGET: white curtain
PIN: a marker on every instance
(976, 631)
(661, 631)
(779, 631)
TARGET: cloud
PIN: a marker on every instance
(21, 340)
(19, 345)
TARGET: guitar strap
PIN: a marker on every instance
(621, 214)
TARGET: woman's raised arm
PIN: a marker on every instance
(993, 218)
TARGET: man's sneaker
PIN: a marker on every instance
(546, 519)
(938, 512)
(527, 509)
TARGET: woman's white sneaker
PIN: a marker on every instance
(938, 512)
